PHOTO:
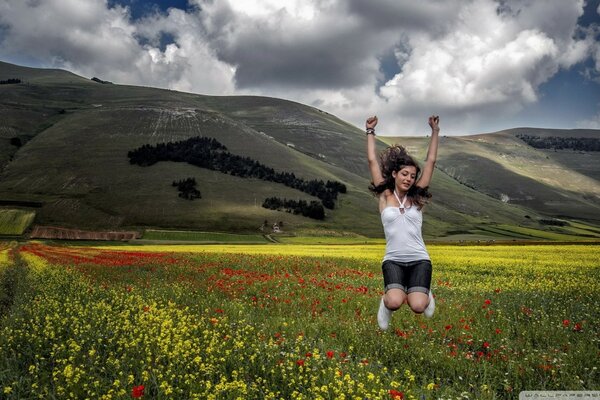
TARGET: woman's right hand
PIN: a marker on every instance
(434, 122)
(371, 122)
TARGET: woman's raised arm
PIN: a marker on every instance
(374, 167)
(425, 179)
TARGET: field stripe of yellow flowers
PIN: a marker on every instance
(293, 322)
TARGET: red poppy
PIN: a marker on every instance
(401, 333)
(488, 302)
(330, 354)
(300, 362)
(566, 322)
(578, 327)
(137, 391)
(396, 394)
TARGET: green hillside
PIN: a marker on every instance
(64, 141)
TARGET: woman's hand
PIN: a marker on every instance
(434, 122)
(371, 122)
(427, 171)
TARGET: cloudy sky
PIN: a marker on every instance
(482, 65)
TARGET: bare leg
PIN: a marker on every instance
(394, 298)
(390, 302)
(418, 301)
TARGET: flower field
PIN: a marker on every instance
(293, 322)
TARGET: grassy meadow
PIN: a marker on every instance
(292, 321)
(14, 222)
(89, 184)
(206, 237)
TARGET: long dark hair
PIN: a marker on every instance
(394, 158)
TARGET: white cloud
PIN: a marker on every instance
(261, 8)
(472, 62)
(591, 123)
(67, 31)
(91, 39)
(487, 65)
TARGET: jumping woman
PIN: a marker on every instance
(401, 187)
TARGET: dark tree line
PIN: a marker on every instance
(561, 143)
(101, 81)
(196, 150)
(10, 81)
(187, 189)
(209, 153)
(314, 209)
(554, 222)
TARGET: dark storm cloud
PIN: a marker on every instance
(331, 50)
(337, 61)
(429, 16)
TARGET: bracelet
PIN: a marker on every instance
(370, 131)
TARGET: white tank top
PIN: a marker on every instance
(404, 240)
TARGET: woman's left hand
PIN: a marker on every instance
(371, 122)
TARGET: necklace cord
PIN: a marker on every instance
(400, 202)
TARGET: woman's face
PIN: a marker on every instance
(405, 177)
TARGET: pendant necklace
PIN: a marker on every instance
(401, 207)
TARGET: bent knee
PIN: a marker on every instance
(418, 306)
(394, 302)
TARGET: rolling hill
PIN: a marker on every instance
(64, 141)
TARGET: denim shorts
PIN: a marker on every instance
(413, 276)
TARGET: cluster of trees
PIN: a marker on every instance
(101, 81)
(314, 209)
(9, 81)
(554, 222)
(209, 153)
(196, 150)
(187, 189)
(560, 143)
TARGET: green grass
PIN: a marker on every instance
(581, 232)
(209, 237)
(537, 233)
(524, 233)
(14, 222)
(586, 227)
(308, 240)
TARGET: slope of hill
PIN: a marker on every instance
(543, 184)
(64, 141)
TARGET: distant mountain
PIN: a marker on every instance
(64, 141)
